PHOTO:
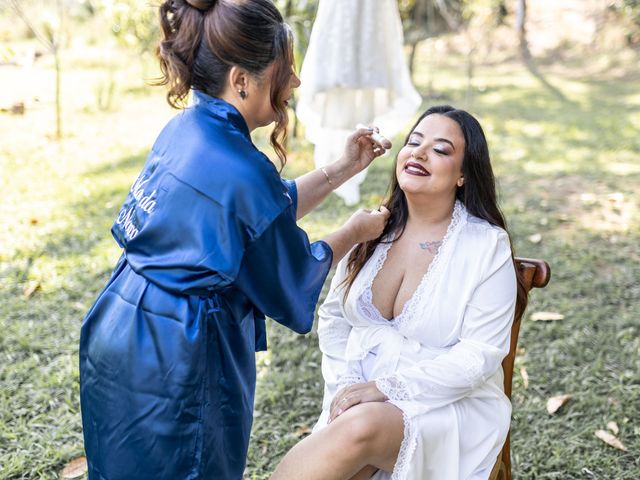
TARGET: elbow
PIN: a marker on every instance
(300, 324)
(304, 322)
(302, 328)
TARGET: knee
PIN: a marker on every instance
(360, 427)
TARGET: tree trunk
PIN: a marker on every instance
(288, 9)
(412, 59)
(521, 27)
(295, 133)
(525, 53)
(470, 70)
(56, 43)
(56, 56)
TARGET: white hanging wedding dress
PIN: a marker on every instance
(354, 72)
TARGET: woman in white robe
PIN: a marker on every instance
(416, 324)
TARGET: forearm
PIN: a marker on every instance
(314, 186)
(341, 241)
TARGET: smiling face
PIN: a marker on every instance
(431, 161)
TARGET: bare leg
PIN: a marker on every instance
(367, 435)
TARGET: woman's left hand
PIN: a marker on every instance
(361, 149)
(353, 395)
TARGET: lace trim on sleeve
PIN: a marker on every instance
(394, 388)
(472, 369)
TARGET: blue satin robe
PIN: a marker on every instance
(167, 352)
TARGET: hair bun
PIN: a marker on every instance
(202, 5)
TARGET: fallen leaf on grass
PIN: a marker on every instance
(525, 377)
(535, 238)
(30, 289)
(554, 403)
(303, 431)
(609, 439)
(546, 316)
(75, 468)
(79, 306)
(588, 198)
(616, 197)
(613, 426)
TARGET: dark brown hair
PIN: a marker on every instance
(203, 39)
(478, 195)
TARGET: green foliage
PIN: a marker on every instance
(491, 8)
(631, 8)
(133, 23)
(428, 18)
(299, 15)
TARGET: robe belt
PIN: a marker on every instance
(364, 339)
(213, 304)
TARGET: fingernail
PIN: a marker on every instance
(339, 413)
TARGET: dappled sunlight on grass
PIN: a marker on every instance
(263, 360)
(610, 213)
(618, 165)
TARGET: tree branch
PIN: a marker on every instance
(15, 6)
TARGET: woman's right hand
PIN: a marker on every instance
(367, 224)
(364, 225)
(360, 150)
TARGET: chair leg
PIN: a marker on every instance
(505, 456)
(504, 475)
(497, 468)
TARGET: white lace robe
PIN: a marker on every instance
(440, 360)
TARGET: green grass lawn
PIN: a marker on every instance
(568, 173)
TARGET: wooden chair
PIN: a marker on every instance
(536, 274)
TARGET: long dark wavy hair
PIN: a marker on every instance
(203, 39)
(477, 194)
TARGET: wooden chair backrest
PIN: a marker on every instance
(535, 274)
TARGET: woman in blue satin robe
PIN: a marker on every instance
(210, 246)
